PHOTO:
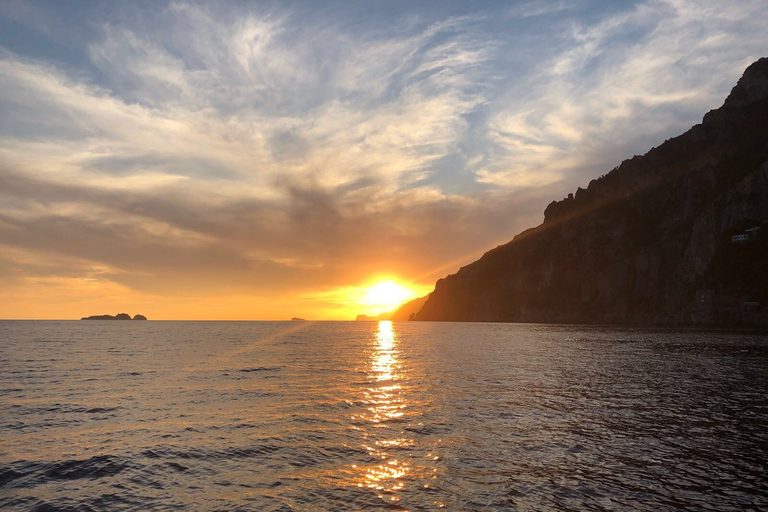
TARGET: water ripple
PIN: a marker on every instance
(365, 416)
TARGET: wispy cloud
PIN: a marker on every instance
(538, 8)
(622, 85)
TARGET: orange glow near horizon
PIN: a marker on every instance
(387, 294)
(71, 299)
(379, 295)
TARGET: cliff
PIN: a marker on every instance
(408, 310)
(650, 242)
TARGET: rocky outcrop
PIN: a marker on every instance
(649, 242)
(119, 316)
(376, 318)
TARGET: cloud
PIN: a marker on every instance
(538, 8)
(621, 86)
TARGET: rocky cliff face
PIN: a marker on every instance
(650, 242)
(408, 310)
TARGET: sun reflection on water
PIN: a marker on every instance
(386, 405)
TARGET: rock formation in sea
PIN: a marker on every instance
(376, 318)
(676, 236)
(119, 316)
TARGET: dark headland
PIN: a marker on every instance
(119, 316)
(676, 236)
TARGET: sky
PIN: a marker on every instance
(265, 160)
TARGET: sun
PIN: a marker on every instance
(386, 295)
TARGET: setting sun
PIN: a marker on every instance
(381, 294)
(387, 295)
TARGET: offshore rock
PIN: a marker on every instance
(119, 316)
(676, 236)
(368, 318)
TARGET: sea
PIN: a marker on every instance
(380, 416)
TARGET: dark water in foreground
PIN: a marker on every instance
(365, 416)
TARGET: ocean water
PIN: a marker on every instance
(302, 416)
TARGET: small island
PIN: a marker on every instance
(119, 316)
(297, 319)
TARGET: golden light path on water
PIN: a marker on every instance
(385, 403)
